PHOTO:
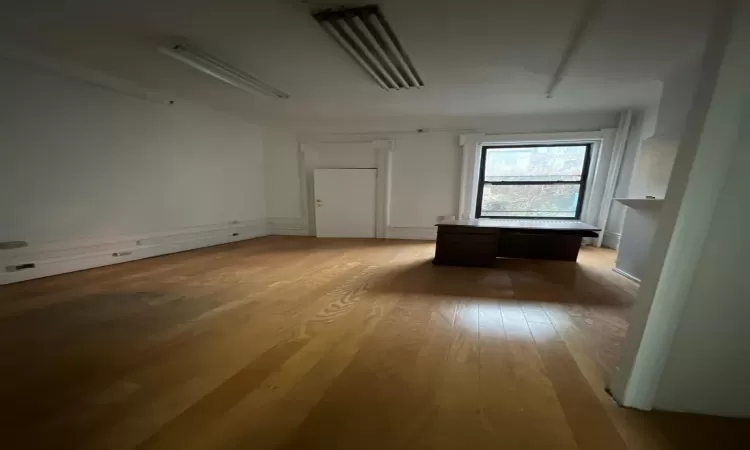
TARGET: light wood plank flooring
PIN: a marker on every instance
(301, 343)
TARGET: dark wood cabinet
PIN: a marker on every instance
(466, 247)
(478, 242)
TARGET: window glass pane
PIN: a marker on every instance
(530, 200)
(535, 163)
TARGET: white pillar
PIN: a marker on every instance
(706, 152)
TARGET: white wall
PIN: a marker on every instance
(708, 366)
(653, 164)
(613, 228)
(282, 173)
(642, 127)
(688, 342)
(426, 166)
(652, 146)
(80, 162)
(425, 180)
(650, 119)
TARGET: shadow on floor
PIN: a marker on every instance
(520, 280)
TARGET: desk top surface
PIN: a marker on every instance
(522, 224)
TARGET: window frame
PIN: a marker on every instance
(581, 183)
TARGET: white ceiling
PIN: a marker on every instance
(476, 56)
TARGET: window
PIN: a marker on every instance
(533, 181)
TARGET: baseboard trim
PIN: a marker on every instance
(611, 240)
(63, 257)
(415, 233)
(626, 275)
(286, 226)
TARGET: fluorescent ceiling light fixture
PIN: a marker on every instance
(221, 70)
(369, 39)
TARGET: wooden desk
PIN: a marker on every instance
(478, 242)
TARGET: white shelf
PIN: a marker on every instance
(650, 203)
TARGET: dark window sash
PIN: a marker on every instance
(581, 183)
(528, 217)
(530, 183)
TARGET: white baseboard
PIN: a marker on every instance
(626, 275)
(416, 233)
(288, 226)
(63, 257)
(611, 240)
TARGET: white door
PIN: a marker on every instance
(345, 202)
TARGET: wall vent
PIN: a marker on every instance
(368, 38)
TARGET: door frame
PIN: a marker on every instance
(345, 232)
(309, 152)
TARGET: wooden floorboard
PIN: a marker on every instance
(304, 343)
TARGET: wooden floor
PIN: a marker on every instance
(300, 343)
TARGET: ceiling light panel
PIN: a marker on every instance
(369, 39)
(221, 70)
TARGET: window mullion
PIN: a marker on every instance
(530, 183)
